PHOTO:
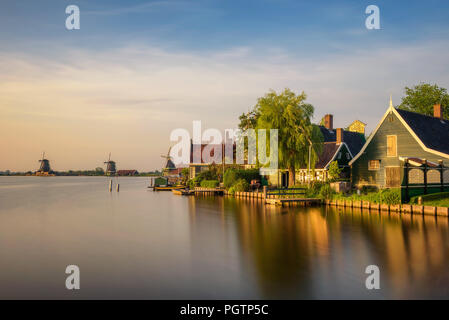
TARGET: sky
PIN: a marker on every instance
(136, 70)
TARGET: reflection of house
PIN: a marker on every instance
(127, 172)
(403, 136)
(339, 145)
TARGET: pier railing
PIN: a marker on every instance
(292, 192)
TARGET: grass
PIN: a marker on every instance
(385, 196)
(434, 199)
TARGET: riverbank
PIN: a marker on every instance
(366, 205)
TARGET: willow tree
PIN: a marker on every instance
(289, 113)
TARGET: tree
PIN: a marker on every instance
(422, 97)
(248, 120)
(289, 113)
(99, 171)
(334, 171)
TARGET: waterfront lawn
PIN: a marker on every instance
(384, 196)
(440, 199)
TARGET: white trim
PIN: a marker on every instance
(336, 152)
(392, 109)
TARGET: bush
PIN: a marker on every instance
(209, 183)
(314, 189)
(232, 175)
(241, 185)
(326, 192)
(390, 196)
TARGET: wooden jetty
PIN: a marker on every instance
(167, 188)
(293, 201)
(208, 191)
(182, 192)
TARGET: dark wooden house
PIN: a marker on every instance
(406, 148)
(338, 145)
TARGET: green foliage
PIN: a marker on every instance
(422, 97)
(289, 113)
(326, 192)
(334, 171)
(232, 175)
(430, 197)
(191, 184)
(313, 189)
(209, 183)
(210, 174)
(384, 196)
(390, 196)
(160, 181)
(241, 185)
(248, 120)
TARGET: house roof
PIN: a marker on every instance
(328, 153)
(353, 140)
(433, 132)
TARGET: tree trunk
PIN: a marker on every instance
(291, 176)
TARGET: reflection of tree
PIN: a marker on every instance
(312, 252)
(279, 245)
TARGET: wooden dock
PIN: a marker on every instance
(293, 201)
(208, 191)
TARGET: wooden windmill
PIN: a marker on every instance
(169, 165)
(45, 164)
(110, 166)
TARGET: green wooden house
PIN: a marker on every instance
(406, 149)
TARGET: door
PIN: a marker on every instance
(284, 180)
(392, 177)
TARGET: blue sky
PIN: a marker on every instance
(147, 67)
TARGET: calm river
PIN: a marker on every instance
(140, 244)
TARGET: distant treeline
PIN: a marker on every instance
(95, 172)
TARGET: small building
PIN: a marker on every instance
(339, 145)
(127, 172)
(402, 139)
(197, 151)
(357, 126)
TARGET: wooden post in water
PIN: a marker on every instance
(110, 185)
(264, 192)
(118, 187)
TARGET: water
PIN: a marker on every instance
(155, 245)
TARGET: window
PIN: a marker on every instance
(339, 155)
(374, 165)
(348, 156)
(391, 146)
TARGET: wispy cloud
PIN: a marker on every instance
(81, 103)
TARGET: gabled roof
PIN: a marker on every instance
(330, 149)
(353, 140)
(431, 133)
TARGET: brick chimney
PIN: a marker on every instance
(329, 121)
(339, 138)
(438, 111)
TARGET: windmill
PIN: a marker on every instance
(110, 166)
(169, 165)
(45, 165)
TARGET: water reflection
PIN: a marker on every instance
(323, 252)
(155, 245)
